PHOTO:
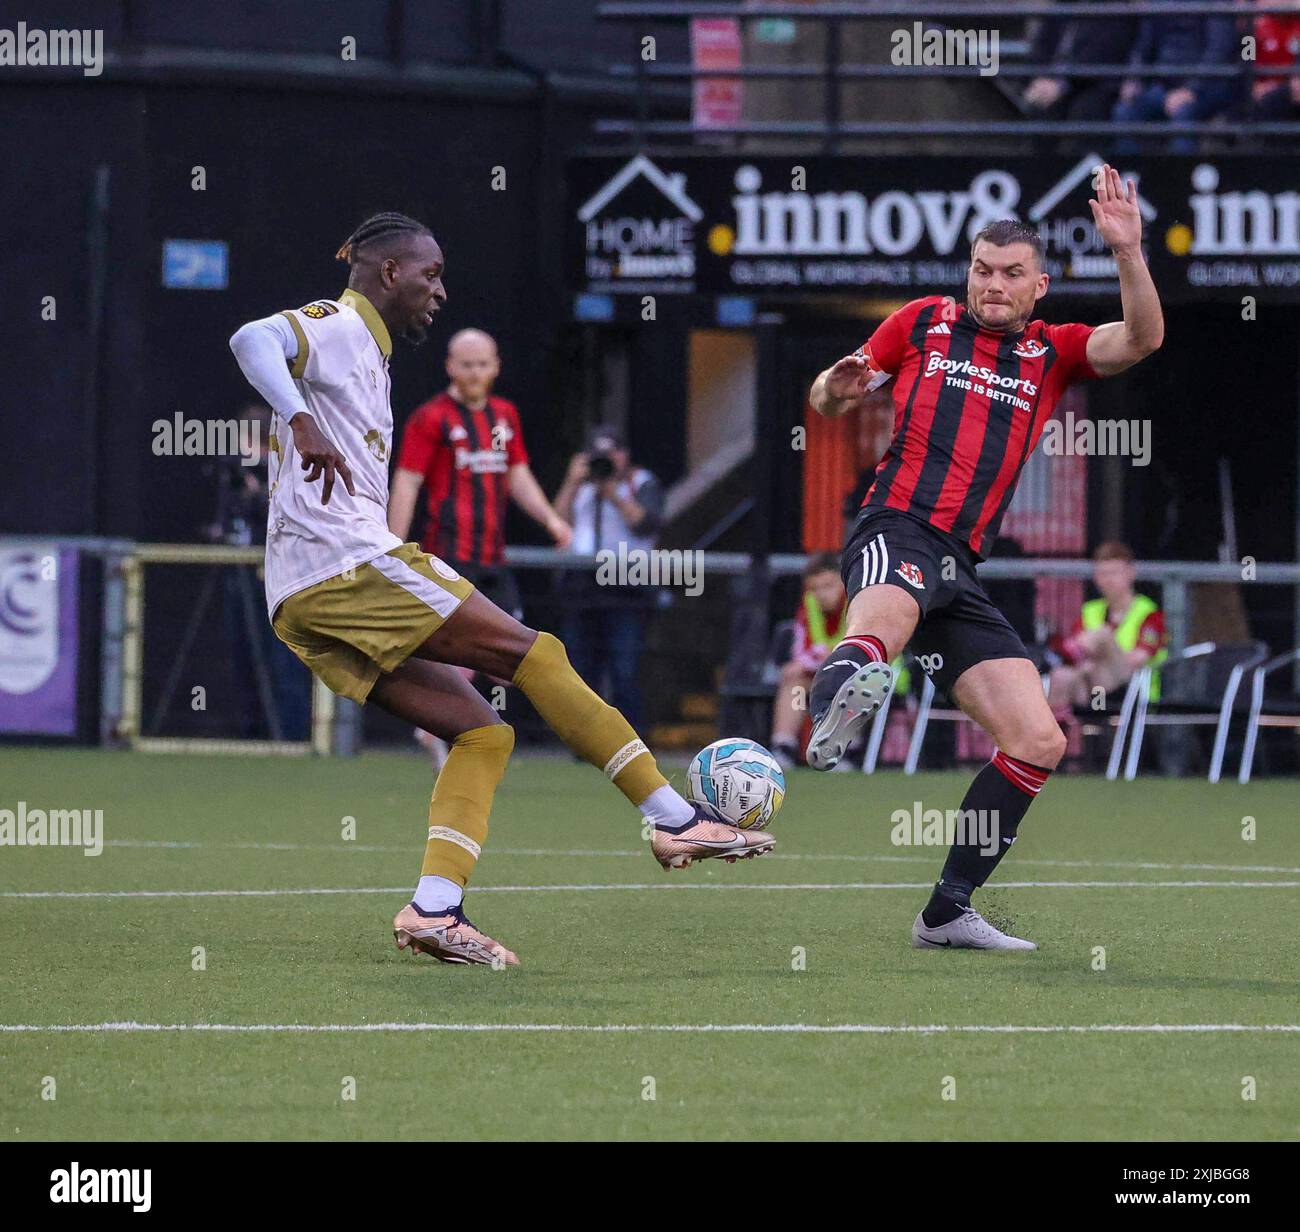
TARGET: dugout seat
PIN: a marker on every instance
(926, 712)
(880, 723)
(1201, 686)
(1275, 712)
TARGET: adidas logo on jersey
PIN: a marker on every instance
(941, 328)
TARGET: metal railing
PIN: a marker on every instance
(121, 630)
(833, 72)
(1174, 576)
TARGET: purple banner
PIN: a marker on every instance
(38, 640)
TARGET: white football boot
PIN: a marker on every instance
(855, 701)
(969, 931)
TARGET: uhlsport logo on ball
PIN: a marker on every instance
(739, 781)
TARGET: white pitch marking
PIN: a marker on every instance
(681, 885)
(640, 854)
(775, 1028)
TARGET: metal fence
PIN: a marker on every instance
(121, 628)
(833, 72)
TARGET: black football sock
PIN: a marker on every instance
(850, 655)
(993, 807)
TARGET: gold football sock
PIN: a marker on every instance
(462, 799)
(595, 731)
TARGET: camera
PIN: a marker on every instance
(600, 466)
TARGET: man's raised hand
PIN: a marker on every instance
(1115, 211)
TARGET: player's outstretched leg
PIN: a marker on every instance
(480, 635)
(848, 689)
(441, 701)
(856, 678)
(1005, 696)
(599, 734)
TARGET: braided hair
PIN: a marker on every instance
(375, 227)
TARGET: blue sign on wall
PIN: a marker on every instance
(591, 307)
(735, 310)
(195, 265)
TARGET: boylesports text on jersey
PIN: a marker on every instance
(938, 363)
(482, 461)
(957, 370)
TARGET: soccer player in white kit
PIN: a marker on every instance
(380, 620)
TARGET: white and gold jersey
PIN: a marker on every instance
(341, 370)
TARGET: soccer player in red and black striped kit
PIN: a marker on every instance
(466, 446)
(974, 386)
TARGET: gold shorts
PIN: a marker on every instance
(347, 629)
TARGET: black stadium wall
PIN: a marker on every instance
(290, 165)
(287, 173)
(287, 176)
(291, 162)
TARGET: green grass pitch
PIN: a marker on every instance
(1197, 925)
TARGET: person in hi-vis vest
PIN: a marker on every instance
(1113, 637)
(818, 627)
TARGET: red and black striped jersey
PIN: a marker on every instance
(465, 457)
(969, 406)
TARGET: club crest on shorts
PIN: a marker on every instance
(911, 575)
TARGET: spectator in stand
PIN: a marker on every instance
(1169, 42)
(1113, 637)
(615, 508)
(1274, 96)
(1068, 42)
(818, 628)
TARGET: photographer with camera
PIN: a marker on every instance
(259, 661)
(609, 503)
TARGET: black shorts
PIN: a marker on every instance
(959, 625)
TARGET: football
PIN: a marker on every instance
(739, 781)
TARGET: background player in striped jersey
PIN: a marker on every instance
(377, 619)
(465, 446)
(974, 386)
